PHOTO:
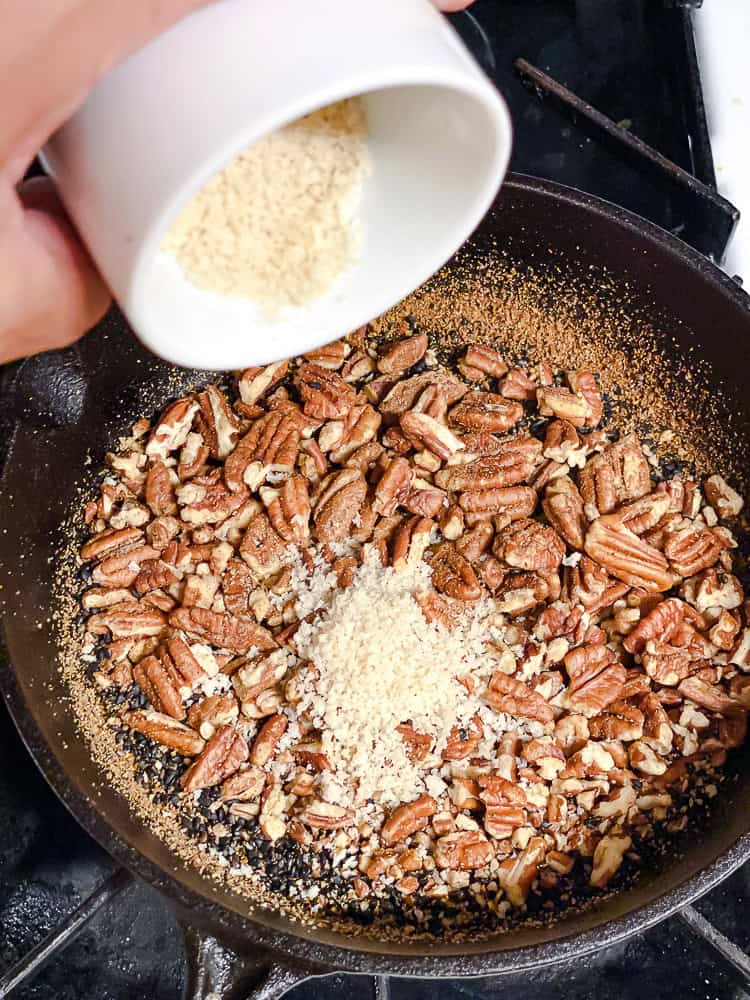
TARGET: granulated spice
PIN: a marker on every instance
(278, 224)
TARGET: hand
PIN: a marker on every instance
(51, 54)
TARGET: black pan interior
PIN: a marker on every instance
(72, 405)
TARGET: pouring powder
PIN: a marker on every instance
(278, 224)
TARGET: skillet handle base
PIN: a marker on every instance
(217, 972)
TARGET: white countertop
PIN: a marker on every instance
(722, 30)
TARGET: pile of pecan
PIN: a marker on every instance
(621, 634)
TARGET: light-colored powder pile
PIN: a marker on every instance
(278, 224)
(378, 664)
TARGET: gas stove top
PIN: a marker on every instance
(634, 62)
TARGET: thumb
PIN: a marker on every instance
(51, 289)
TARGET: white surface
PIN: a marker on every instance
(722, 29)
(156, 128)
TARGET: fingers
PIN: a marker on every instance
(52, 53)
(451, 6)
(51, 291)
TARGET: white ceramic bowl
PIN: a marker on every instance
(158, 127)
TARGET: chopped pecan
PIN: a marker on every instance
(154, 574)
(424, 431)
(724, 500)
(410, 542)
(472, 545)
(338, 504)
(216, 710)
(393, 487)
(621, 721)
(165, 730)
(404, 394)
(417, 744)
(583, 383)
(659, 625)
(262, 547)
(265, 743)
(453, 576)
(607, 860)
(221, 757)
(160, 490)
(724, 633)
(122, 568)
(513, 697)
(222, 630)
(517, 874)
(172, 428)
(520, 592)
(567, 405)
(322, 815)
(331, 356)
(403, 355)
(463, 851)
(626, 556)
(254, 383)
(504, 804)
(327, 396)
(517, 385)
(407, 819)
(710, 696)
(257, 676)
(464, 740)
(529, 545)
(563, 508)
(562, 444)
(244, 786)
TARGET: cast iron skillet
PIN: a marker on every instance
(71, 405)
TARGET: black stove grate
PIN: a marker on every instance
(634, 61)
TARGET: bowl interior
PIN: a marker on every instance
(430, 146)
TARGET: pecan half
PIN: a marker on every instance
(514, 463)
(165, 730)
(626, 556)
(244, 786)
(339, 502)
(479, 361)
(617, 474)
(513, 697)
(691, 549)
(271, 444)
(393, 487)
(424, 431)
(257, 676)
(563, 508)
(262, 548)
(407, 819)
(453, 576)
(485, 411)
(220, 758)
(504, 804)
(596, 678)
(217, 422)
(267, 740)
(529, 545)
(289, 509)
(403, 355)
(327, 396)
(222, 630)
(463, 851)
(503, 505)
(404, 394)
(160, 490)
(254, 383)
(216, 710)
(517, 385)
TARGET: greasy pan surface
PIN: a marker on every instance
(71, 406)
